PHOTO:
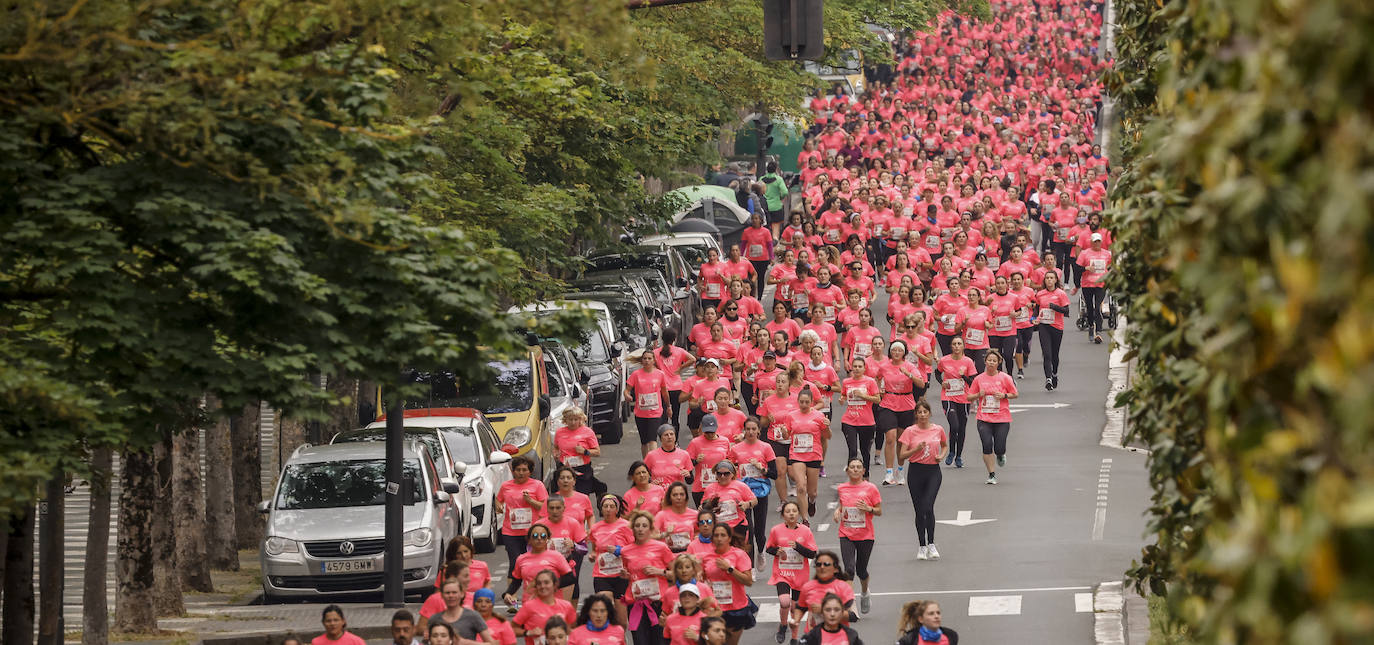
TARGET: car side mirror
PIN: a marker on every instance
(451, 486)
(682, 282)
(498, 457)
(264, 506)
(584, 377)
(544, 406)
(619, 346)
(441, 497)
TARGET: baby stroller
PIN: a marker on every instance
(1108, 312)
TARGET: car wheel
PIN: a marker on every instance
(488, 543)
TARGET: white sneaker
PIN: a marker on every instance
(923, 553)
(890, 479)
(934, 554)
(901, 477)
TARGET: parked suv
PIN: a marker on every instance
(325, 522)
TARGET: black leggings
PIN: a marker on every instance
(855, 554)
(1092, 297)
(923, 482)
(1023, 341)
(1061, 253)
(994, 436)
(859, 440)
(515, 547)
(943, 340)
(1006, 345)
(956, 415)
(746, 394)
(674, 408)
(1049, 346)
(977, 356)
(647, 633)
(761, 272)
(758, 521)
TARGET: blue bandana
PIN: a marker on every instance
(931, 635)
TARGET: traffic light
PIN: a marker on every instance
(764, 129)
(792, 30)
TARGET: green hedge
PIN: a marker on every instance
(1244, 218)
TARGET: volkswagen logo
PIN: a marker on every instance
(346, 547)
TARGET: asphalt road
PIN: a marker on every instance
(1027, 575)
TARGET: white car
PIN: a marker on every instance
(692, 245)
(472, 441)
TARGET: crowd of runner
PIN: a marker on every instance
(968, 190)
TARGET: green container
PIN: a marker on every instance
(787, 144)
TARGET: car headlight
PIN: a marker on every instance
(419, 537)
(518, 436)
(474, 487)
(279, 545)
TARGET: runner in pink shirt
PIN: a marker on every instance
(529, 621)
(597, 624)
(774, 410)
(924, 444)
(757, 470)
(1053, 304)
(675, 522)
(668, 463)
(857, 424)
(977, 320)
(604, 542)
(758, 248)
(792, 546)
(859, 502)
(829, 579)
(1096, 263)
(671, 360)
(806, 429)
(1025, 322)
(901, 382)
(643, 494)
(706, 451)
(991, 392)
(956, 373)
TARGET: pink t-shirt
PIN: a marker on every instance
(649, 500)
(706, 453)
(675, 627)
(814, 591)
(806, 429)
(789, 566)
(566, 534)
(648, 393)
(730, 424)
(575, 505)
(535, 613)
(571, 443)
(1044, 299)
(731, 498)
(609, 534)
(952, 386)
(976, 322)
(347, 638)
(729, 593)
(926, 441)
(650, 554)
(990, 408)
(529, 564)
(858, 412)
(856, 524)
(667, 467)
(752, 458)
(672, 366)
(611, 635)
(677, 528)
(519, 513)
(898, 385)
(777, 409)
(501, 631)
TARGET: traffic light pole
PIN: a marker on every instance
(761, 130)
(394, 593)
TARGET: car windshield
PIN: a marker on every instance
(629, 321)
(462, 444)
(428, 438)
(336, 484)
(587, 345)
(555, 379)
(695, 255)
(659, 289)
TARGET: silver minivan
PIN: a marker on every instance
(325, 522)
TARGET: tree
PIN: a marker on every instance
(95, 614)
(1246, 268)
(188, 513)
(221, 538)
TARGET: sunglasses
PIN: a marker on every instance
(825, 564)
(539, 536)
(913, 326)
(705, 522)
(723, 473)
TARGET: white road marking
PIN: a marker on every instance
(932, 592)
(963, 518)
(823, 528)
(994, 606)
(768, 612)
(1104, 475)
(1083, 603)
(1108, 626)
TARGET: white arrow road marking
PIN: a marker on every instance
(1016, 407)
(963, 518)
(994, 606)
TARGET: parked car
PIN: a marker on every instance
(472, 441)
(448, 466)
(632, 324)
(660, 295)
(325, 533)
(633, 285)
(669, 263)
(602, 361)
(692, 246)
(565, 391)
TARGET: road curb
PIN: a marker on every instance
(1109, 620)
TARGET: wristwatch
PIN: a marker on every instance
(730, 570)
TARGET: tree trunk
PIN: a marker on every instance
(166, 583)
(367, 403)
(134, 611)
(290, 433)
(221, 545)
(188, 520)
(247, 466)
(95, 610)
(18, 581)
(344, 415)
(53, 558)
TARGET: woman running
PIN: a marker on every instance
(556, 631)
(829, 579)
(924, 445)
(774, 410)
(1025, 322)
(833, 628)
(706, 451)
(643, 494)
(647, 391)
(993, 391)
(668, 463)
(956, 374)
(646, 564)
(538, 559)
(1002, 306)
(731, 501)
(899, 380)
(807, 428)
(688, 569)
(605, 542)
(1053, 303)
(671, 360)
(919, 624)
(520, 499)
(792, 546)
(597, 624)
(713, 631)
(544, 604)
(859, 502)
(976, 319)
(675, 522)
(857, 424)
(484, 602)
(567, 537)
(683, 625)
(757, 470)
(730, 572)
(578, 505)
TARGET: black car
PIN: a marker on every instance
(660, 296)
(601, 372)
(628, 284)
(669, 263)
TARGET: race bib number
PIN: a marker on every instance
(574, 461)
(562, 545)
(784, 292)
(1097, 266)
(933, 242)
(1046, 316)
(646, 588)
(679, 541)
(830, 313)
(1063, 232)
(994, 261)
(723, 591)
(947, 320)
(954, 386)
(898, 232)
(708, 476)
(728, 511)
(989, 403)
(800, 300)
(750, 470)
(777, 432)
(863, 350)
(790, 559)
(521, 518)
(1023, 314)
(755, 250)
(975, 336)
(1002, 323)
(853, 397)
(709, 407)
(713, 290)
(853, 518)
(803, 442)
(648, 401)
(610, 564)
(911, 357)
(832, 235)
(877, 230)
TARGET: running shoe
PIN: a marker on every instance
(1097, 339)
(811, 508)
(805, 522)
(901, 477)
(782, 632)
(889, 480)
(949, 459)
(934, 554)
(1020, 373)
(958, 462)
(1049, 385)
(1055, 381)
(1001, 460)
(992, 479)
(823, 471)
(923, 553)
(865, 603)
